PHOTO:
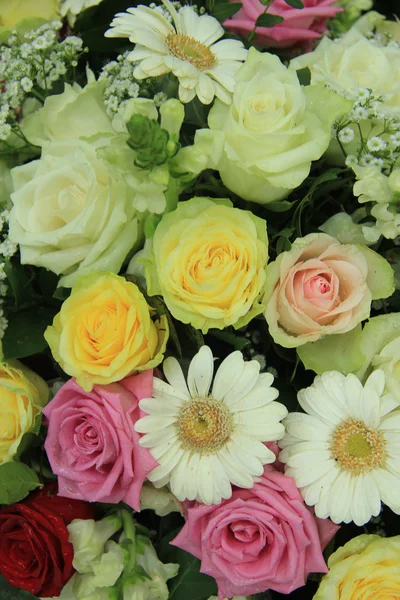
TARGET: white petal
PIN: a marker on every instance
(249, 462)
(191, 490)
(174, 375)
(389, 488)
(158, 437)
(205, 89)
(388, 403)
(306, 427)
(186, 96)
(162, 450)
(178, 476)
(229, 50)
(245, 384)
(376, 382)
(150, 424)
(162, 389)
(200, 374)
(159, 408)
(341, 497)
(354, 396)
(265, 432)
(229, 372)
(255, 448)
(205, 484)
(313, 472)
(169, 461)
(257, 398)
(223, 487)
(236, 473)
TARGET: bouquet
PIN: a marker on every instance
(200, 284)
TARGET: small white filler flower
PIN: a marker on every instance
(205, 441)
(185, 47)
(344, 454)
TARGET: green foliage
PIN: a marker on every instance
(189, 583)
(267, 20)
(9, 592)
(295, 3)
(16, 481)
(24, 334)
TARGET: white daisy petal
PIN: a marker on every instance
(178, 476)
(174, 375)
(340, 497)
(389, 488)
(248, 380)
(157, 438)
(191, 490)
(205, 89)
(152, 406)
(228, 374)
(205, 484)
(174, 394)
(186, 95)
(148, 424)
(305, 475)
(200, 373)
(164, 469)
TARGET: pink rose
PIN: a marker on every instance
(300, 25)
(322, 287)
(91, 442)
(259, 539)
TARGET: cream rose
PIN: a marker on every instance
(272, 131)
(77, 113)
(322, 287)
(355, 62)
(69, 214)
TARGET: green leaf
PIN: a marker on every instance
(281, 206)
(16, 481)
(238, 342)
(20, 283)
(295, 3)
(9, 592)
(24, 334)
(304, 76)
(341, 352)
(189, 582)
(266, 20)
(225, 11)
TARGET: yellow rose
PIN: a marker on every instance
(24, 15)
(208, 262)
(366, 568)
(105, 332)
(22, 395)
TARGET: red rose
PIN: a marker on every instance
(35, 553)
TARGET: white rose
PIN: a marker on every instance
(77, 113)
(355, 62)
(273, 129)
(69, 214)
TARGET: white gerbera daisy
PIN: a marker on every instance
(344, 455)
(186, 48)
(203, 441)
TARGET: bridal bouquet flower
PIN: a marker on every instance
(199, 300)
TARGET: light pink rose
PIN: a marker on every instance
(322, 287)
(259, 539)
(91, 442)
(300, 25)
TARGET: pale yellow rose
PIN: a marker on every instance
(322, 287)
(208, 262)
(366, 568)
(22, 396)
(271, 132)
(355, 62)
(24, 15)
(105, 331)
(70, 213)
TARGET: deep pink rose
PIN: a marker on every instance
(300, 24)
(91, 442)
(263, 538)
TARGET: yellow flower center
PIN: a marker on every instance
(189, 49)
(358, 448)
(205, 425)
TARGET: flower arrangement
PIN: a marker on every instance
(199, 300)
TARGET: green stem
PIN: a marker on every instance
(128, 525)
(38, 95)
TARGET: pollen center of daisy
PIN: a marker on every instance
(189, 49)
(358, 448)
(205, 425)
